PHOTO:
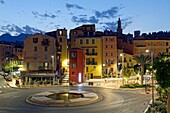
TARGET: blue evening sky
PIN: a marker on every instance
(30, 16)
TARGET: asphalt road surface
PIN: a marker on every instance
(114, 101)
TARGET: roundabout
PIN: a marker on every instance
(63, 98)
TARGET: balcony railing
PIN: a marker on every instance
(91, 63)
(91, 53)
(141, 46)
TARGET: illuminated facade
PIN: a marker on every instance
(77, 65)
(62, 47)
(109, 55)
(39, 58)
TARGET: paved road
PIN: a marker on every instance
(114, 101)
(3, 83)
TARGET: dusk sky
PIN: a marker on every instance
(30, 16)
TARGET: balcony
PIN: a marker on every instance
(91, 63)
(45, 42)
(90, 54)
(141, 46)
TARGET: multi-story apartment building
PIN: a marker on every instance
(93, 47)
(6, 50)
(39, 58)
(109, 55)
(77, 65)
(62, 47)
(86, 38)
(84, 30)
(10, 52)
(154, 43)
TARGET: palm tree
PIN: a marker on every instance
(143, 61)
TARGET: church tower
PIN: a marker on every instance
(119, 28)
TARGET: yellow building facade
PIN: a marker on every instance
(93, 47)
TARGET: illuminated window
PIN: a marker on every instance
(60, 32)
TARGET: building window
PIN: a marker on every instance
(73, 55)
(161, 43)
(106, 39)
(93, 51)
(138, 51)
(45, 56)
(87, 51)
(154, 43)
(60, 39)
(112, 61)
(93, 41)
(60, 32)
(111, 39)
(106, 46)
(94, 67)
(35, 48)
(87, 69)
(149, 43)
(111, 54)
(87, 61)
(35, 56)
(106, 54)
(111, 46)
(87, 41)
(167, 50)
(93, 60)
(35, 40)
(166, 43)
(74, 65)
(45, 48)
(81, 41)
(73, 73)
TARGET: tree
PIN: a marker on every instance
(143, 61)
(162, 67)
(127, 72)
(11, 62)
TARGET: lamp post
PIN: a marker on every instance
(122, 66)
(152, 53)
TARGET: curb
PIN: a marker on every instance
(149, 105)
(90, 98)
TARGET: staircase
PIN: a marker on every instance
(65, 80)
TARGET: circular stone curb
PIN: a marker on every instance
(41, 99)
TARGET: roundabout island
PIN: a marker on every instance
(63, 98)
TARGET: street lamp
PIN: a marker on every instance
(122, 65)
(152, 53)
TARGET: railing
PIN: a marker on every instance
(91, 63)
(91, 53)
